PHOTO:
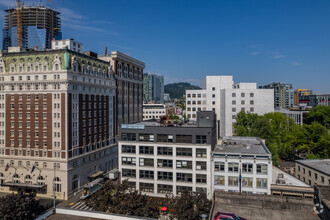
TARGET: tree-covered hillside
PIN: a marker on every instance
(177, 90)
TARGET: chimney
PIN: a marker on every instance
(35, 48)
(106, 51)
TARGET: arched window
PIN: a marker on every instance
(57, 184)
(74, 182)
(16, 178)
(2, 179)
(36, 67)
(45, 66)
(28, 179)
(57, 67)
(41, 180)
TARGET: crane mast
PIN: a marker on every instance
(19, 22)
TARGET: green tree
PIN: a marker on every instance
(19, 206)
(319, 114)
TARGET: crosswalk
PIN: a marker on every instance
(81, 206)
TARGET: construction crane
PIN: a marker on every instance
(19, 22)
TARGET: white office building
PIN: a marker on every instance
(242, 164)
(220, 94)
(70, 44)
(153, 111)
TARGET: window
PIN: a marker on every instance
(261, 183)
(201, 178)
(262, 169)
(247, 182)
(183, 164)
(181, 189)
(146, 150)
(129, 160)
(213, 102)
(184, 177)
(130, 149)
(165, 176)
(242, 94)
(232, 167)
(146, 137)
(242, 102)
(164, 163)
(315, 176)
(184, 139)
(200, 165)
(219, 166)
(200, 139)
(165, 189)
(251, 102)
(251, 109)
(201, 190)
(232, 181)
(200, 152)
(251, 94)
(213, 95)
(164, 151)
(233, 110)
(146, 162)
(147, 187)
(233, 102)
(219, 180)
(184, 152)
(164, 138)
(57, 186)
(247, 168)
(129, 173)
(128, 137)
(233, 95)
(146, 174)
(322, 179)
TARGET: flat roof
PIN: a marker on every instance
(321, 165)
(241, 145)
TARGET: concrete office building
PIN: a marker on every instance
(220, 94)
(296, 115)
(153, 111)
(56, 117)
(313, 172)
(129, 88)
(242, 164)
(160, 160)
(70, 44)
(40, 25)
(283, 94)
(313, 100)
(153, 88)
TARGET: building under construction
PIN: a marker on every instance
(31, 26)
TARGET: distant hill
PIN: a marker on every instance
(177, 90)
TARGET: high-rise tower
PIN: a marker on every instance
(39, 25)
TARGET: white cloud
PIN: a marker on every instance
(83, 27)
(255, 53)
(103, 22)
(296, 63)
(69, 15)
(277, 55)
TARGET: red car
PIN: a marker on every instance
(227, 216)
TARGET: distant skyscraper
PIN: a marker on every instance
(298, 93)
(39, 26)
(283, 94)
(153, 88)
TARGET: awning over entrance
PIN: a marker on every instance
(95, 175)
(24, 185)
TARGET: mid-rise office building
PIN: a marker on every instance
(298, 93)
(226, 99)
(153, 111)
(160, 160)
(70, 44)
(296, 114)
(129, 88)
(313, 172)
(39, 25)
(56, 121)
(242, 164)
(313, 100)
(283, 94)
(153, 88)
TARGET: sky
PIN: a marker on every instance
(259, 41)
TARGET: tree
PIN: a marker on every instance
(319, 114)
(19, 206)
(190, 205)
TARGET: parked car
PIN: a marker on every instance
(227, 216)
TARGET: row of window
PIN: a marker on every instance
(28, 78)
(316, 176)
(165, 176)
(164, 163)
(234, 181)
(200, 152)
(234, 167)
(165, 189)
(200, 139)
